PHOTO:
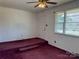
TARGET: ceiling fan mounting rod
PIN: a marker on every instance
(43, 0)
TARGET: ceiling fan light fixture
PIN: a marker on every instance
(42, 5)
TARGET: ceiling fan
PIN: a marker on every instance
(43, 3)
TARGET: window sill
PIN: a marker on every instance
(67, 35)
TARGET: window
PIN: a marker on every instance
(67, 22)
(59, 22)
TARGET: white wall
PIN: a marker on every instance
(68, 43)
(16, 24)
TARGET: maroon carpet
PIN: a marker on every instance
(45, 52)
(38, 51)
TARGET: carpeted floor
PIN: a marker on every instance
(44, 51)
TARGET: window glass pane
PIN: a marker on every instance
(59, 19)
(72, 22)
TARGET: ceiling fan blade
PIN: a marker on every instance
(46, 0)
(32, 2)
(37, 5)
(46, 6)
(51, 2)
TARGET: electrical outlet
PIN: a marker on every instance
(55, 42)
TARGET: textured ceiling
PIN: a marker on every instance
(21, 4)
